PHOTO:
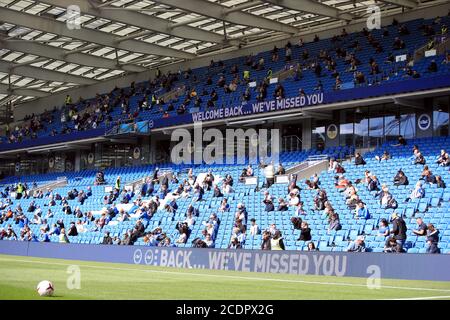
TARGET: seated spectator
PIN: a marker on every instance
(319, 200)
(234, 244)
(384, 157)
(427, 176)
(417, 193)
(391, 246)
(443, 159)
(401, 142)
(419, 159)
(282, 205)
(305, 232)
(312, 247)
(269, 206)
(334, 224)
(432, 233)
(400, 179)
(224, 206)
(359, 159)
(280, 170)
(266, 241)
(433, 67)
(421, 228)
(383, 229)
(276, 243)
(361, 211)
(358, 245)
(296, 223)
(439, 182)
(299, 210)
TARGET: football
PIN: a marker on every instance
(45, 288)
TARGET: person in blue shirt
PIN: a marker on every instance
(44, 237)
(162, 192)
(361, 211)
(145, 217)
(383, 229)
(55, 230)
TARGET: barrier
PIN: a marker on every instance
(341, 264)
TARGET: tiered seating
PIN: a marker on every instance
(390, 72)
(434, 208)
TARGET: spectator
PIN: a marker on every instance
(383, 229)
(107, 238)
(398, 230)
(276, 243)
(361, 211)
(419, 159)
(334, 223)
(384, 157)
(440, 183)
(305, 232)
(235, 244)
(312, 247)
(401, 142)
(400, 179)
(421, 228)
(282, 205)
(359, 159)
(269, 173)
(443, 159)
(269, 206)
(391, 246)
(433, 67)
(266, 241)
(63, 237)
(358, 245)
(417, 193)
(254, 228)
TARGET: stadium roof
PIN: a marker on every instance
(40, 55)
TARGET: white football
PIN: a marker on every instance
(45, 288)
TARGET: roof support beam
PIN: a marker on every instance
(219, 12)
(404, 3)
(56, 53)
(314, 7)
(140, 20)
(44, 74)
(4, 89)
(89, 35)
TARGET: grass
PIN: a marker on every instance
(19, 277)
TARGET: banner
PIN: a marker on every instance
(341, 264)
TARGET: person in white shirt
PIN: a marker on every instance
(332, 166)
(189, 219)
(269, 173)
(208, 240)
(254, 228)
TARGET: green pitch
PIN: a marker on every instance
(19, 277)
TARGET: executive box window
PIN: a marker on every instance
(441, 116)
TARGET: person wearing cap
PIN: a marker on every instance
(358, 245)
(398, 230)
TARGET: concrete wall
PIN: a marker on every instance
(57, 99)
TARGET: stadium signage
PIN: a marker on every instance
(424, 122)
(260, 107)
(341, 264)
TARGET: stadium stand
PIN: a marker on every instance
(314, 67)
(336, 210)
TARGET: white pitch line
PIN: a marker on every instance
(423, 298)
(228, 276)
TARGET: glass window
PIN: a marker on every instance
(361, 127)
(408, 125)
(391, 127)
(440, 116)
(346, 127)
